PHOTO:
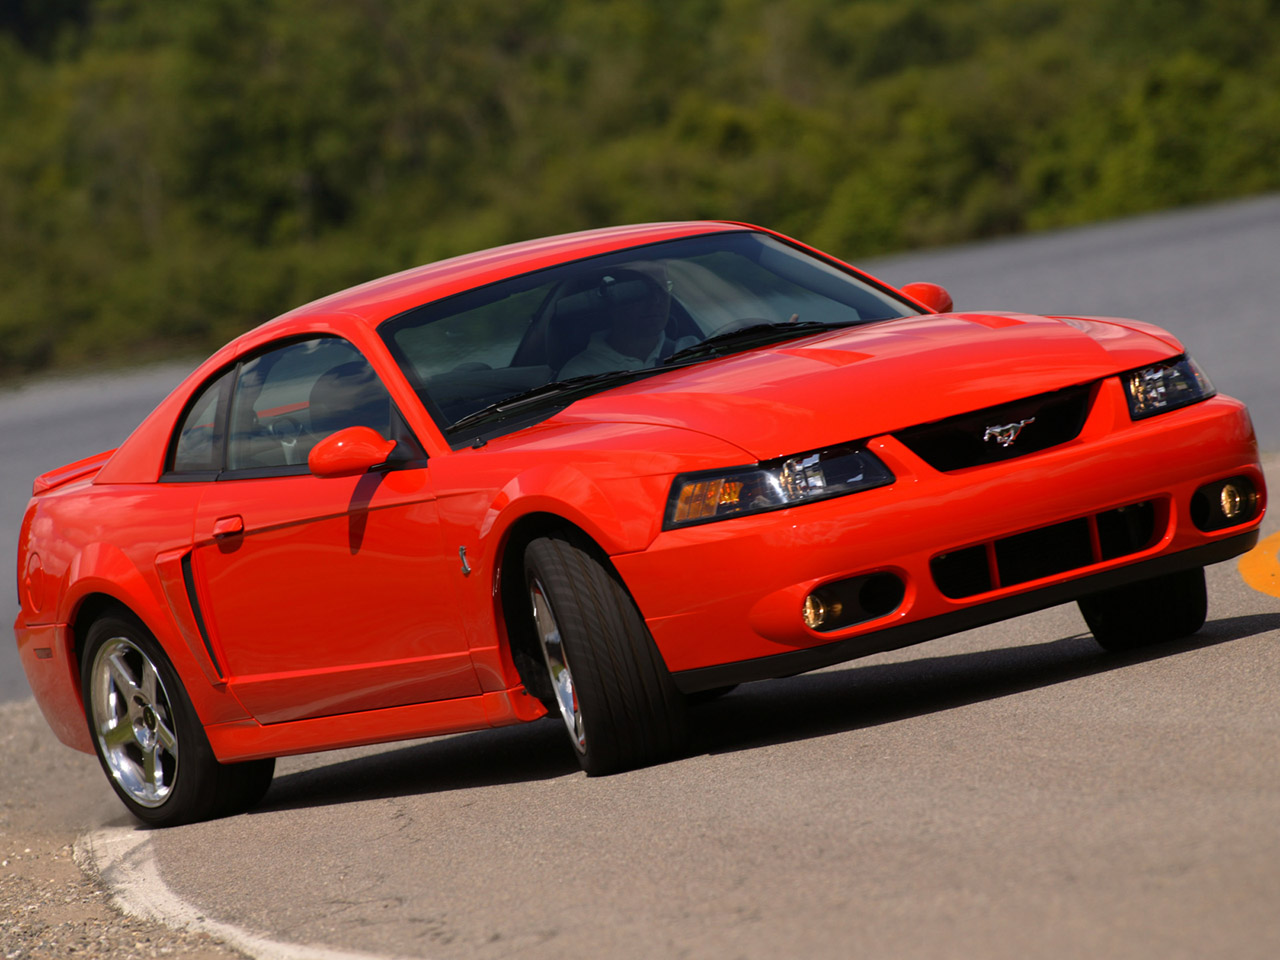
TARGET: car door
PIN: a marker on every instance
(323, 596)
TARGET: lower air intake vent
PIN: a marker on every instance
(1049, 550)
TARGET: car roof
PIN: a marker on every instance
(389, 296)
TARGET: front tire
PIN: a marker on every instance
(1151, 611)
(613, 692)
(147, 736)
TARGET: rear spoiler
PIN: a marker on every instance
(72, 471)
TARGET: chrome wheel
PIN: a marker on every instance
(133, 721)
(557, 662)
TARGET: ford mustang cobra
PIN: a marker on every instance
(591, 476)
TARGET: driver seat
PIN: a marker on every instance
(349, 395)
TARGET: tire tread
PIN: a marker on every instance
(1151, 611)
(632, 713)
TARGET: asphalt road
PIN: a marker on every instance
(1011, 791)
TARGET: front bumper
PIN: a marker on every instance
(978, 615)
(724, 600)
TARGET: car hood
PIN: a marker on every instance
(876, 379)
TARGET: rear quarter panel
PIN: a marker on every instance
(121, 542)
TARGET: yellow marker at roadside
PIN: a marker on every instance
(1260, 567)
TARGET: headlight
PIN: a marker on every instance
(736, 491)
(1165, 386)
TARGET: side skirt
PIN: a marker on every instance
(240, 740)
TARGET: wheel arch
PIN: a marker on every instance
(512, 613)
(63, 702)
(91, 608)
(103, 579)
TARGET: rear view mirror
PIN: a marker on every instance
(931, 295)
(349, 452)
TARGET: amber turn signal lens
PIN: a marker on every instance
(700, 499)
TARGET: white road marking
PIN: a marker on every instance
(122, 858)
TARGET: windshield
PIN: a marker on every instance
(545, 338)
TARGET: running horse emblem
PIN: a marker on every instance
(1006, 434)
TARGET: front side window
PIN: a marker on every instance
(287, 400)
(263, 416)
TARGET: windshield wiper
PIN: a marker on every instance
(557, 389)
(569, 388)
(754, 335)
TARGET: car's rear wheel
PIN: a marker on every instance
(1151, 611)
(149, 741)
(609, 685)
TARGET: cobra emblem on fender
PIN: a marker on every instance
(1006, 434)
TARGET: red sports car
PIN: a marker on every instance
(591, 476)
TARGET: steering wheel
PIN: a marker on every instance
(742, 323)
(287, 430)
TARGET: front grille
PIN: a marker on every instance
(972, 439)
(1047, 551)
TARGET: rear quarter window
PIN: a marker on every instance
(197, 447)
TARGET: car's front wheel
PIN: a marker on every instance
(147, 735)
(1151, 611)
(609, 685)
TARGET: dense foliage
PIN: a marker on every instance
(174, 172)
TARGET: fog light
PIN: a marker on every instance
(818, 611)
(1225, 503)
(843, 603)
(1231, 501)
(815, 612)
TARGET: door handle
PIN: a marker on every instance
(225, 527)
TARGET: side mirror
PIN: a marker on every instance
(349, 452)
(931, 295)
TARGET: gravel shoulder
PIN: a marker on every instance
(50, 907)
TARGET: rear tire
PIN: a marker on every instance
(609, 684)
(1151, 611)
(147, 736)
